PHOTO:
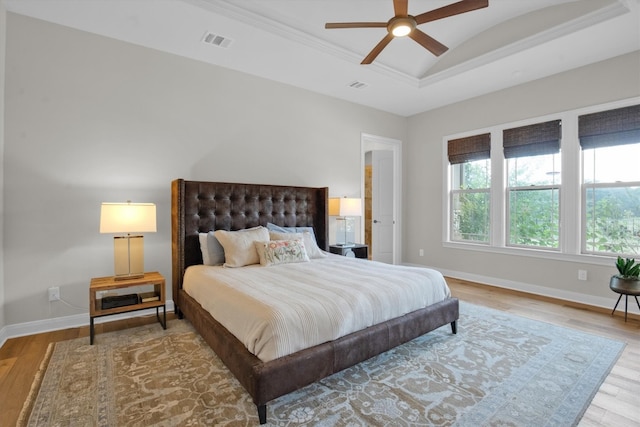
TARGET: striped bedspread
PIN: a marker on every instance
(281, 309)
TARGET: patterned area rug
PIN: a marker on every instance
(499, 370)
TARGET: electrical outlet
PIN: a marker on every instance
(54, 293)
(421, 252)
(582, 274)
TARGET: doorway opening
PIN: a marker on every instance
(382, 190)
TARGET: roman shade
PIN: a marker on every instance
(532, 140)
(470, 148)
(608, 128)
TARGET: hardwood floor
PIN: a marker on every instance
(616, 403)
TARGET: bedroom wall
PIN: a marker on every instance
(611, 80)
(91, 119)
(3, 26)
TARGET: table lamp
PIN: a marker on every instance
(128, 249)
(344, 208)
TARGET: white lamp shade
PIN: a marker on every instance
(128, 218)
(344, 206)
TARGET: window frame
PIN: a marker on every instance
(472, 147)
(571, 197)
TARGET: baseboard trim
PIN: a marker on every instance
(67, 322)
(600, 303)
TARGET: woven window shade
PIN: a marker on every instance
(608, 128)
(532, 140)
(477, 147)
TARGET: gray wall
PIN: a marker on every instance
(91, 119)
(3, 26)
(615, 79)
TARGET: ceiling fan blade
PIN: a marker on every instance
(376, 50)
(332, 25)
(428, 42)
(451, 10)
(400, 7)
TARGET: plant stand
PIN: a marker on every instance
(625, 287)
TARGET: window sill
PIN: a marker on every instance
(533, 253)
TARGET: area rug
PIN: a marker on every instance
(499, 370)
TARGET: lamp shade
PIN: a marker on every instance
(128, 218)
(344, 206)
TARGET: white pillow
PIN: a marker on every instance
(312, 246)
(276, 252)
(284, 235)
(239, 249)
(212, 250)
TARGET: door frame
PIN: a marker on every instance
(370, 142)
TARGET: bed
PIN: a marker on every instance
(199, 207)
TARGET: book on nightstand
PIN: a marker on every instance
(149, 296)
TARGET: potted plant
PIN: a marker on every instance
(627, 281)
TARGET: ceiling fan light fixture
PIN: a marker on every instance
(401, 27)
(403, 24)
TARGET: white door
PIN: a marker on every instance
(387, 244)
(382, 206)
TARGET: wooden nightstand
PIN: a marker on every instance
(101, 284)
(358, 250)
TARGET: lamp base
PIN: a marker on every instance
(345, 245)
(128, 257)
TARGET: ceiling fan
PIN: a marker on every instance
(403, 24)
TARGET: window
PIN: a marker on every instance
(471, 182)
(610, 142)
(533, 185)
(564, 186)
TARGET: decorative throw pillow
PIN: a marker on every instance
(212, 250)
(274, 252)
(239, 249)
(308, 236)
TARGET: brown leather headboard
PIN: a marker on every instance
(200, 206)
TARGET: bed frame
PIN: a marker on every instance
(198, 206)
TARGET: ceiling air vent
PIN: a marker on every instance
(216, 40)
(358, 85)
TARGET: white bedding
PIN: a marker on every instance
(278, 310)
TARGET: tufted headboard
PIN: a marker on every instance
(200, 206)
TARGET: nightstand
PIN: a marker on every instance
(135, 300)
(357, 250)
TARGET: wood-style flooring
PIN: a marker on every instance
(617, 403)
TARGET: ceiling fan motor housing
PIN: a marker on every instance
(401, 26)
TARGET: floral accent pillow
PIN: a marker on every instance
(274, 252)
(310, 244)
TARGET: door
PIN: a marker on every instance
(382, 206)
(384, 237)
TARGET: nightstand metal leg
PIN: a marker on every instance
(91, 331)
(162, 321)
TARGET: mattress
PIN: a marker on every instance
(278, 310)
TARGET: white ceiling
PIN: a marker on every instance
(508, 43)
